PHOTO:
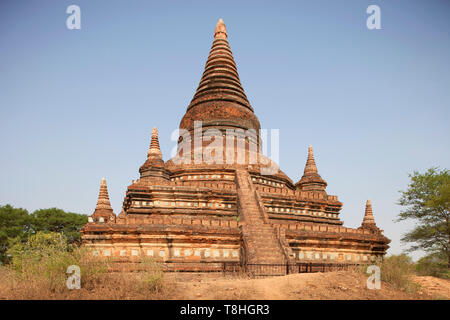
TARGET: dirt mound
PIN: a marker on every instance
(339, 285)
(436, 287)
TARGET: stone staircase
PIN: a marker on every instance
(260, 240)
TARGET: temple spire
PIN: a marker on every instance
(154, 165)
(154, 151)
(368, 215)
(310, 167)
(103, 197)
(103, 210)
(220, 80)
(311, 180)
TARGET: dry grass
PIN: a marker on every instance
(37, 270)
(115, 286)
(152, 284)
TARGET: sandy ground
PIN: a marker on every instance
(340, 285)
(439, 288)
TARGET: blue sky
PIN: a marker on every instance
(79, 105)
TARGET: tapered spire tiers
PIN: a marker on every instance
(369, 221)
(220, 100)
(154, 155)
(154, 151)
(154, 165)
(103, 197)
(310, 167)
(103, 211)
(311, 180)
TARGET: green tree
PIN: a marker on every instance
(15, 223)
(427, 201)
(434, 264)
(57, 220)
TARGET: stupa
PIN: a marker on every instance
(220, 200)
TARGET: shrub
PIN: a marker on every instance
(397, 270)
(153, 275)
(44, 258)
(37, 270)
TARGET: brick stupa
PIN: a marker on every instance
(194, 214)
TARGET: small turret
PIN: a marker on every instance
(311, 180)
(368, 220)
(154, 165)
(103, 211)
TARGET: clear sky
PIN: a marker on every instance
(79, 105)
